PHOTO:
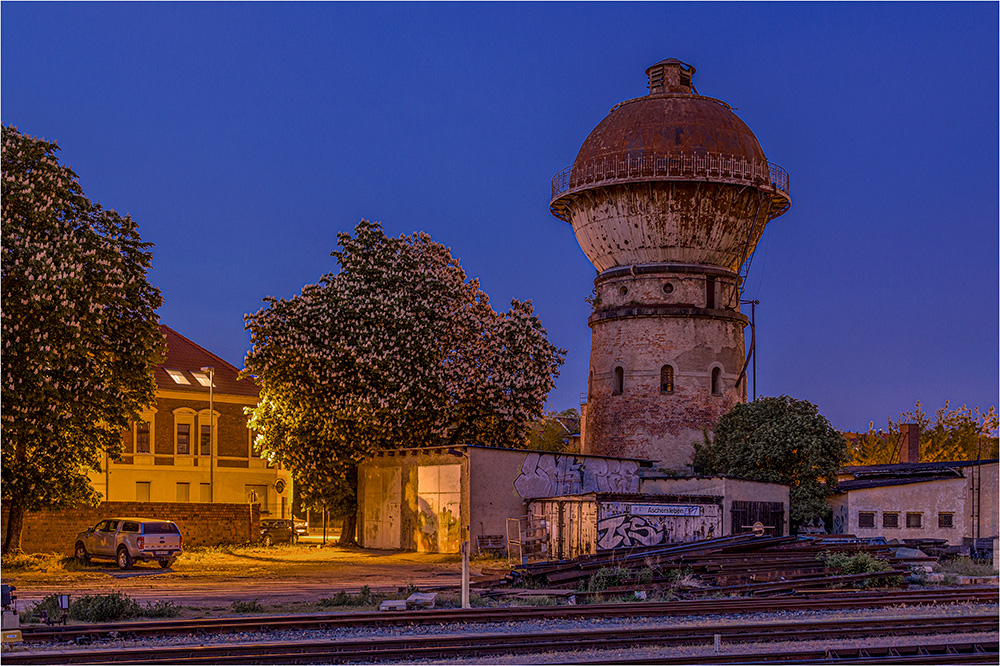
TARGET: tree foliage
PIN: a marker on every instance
(80, 332)
(952, 434)
(395, 350)
(778, 440)
(549, 432)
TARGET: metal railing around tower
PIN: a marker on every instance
(715, 167)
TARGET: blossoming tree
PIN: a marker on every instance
(80, 332)
(395, 350)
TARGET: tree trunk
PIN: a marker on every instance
(15, 522)
(347, 530)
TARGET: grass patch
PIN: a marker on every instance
(240, 606)
(966, 566)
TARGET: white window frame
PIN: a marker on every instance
(149, 416)
(203, 419)
(178, 377)
(186, 416)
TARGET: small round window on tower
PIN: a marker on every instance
(623, 290)
(668, 288)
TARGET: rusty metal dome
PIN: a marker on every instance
(671, 134)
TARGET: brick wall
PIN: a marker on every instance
(200, 524)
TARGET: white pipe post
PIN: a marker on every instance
(465, 575)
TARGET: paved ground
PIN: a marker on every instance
(260, 576)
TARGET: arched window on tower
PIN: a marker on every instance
(716, 381)
(590, 385)
(667, 379)
(618, 381)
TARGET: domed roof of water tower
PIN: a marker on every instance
(672, 118)
(642, 139)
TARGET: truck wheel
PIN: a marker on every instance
(82, 556)
(124, 559)
(268, 540)
(165, 563)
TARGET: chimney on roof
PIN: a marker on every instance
(909, 443)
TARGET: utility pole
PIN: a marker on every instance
(211, 432)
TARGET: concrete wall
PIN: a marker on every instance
(958, 496)
(424, 500)
(929, 499)
(200, 524)
(731, 490)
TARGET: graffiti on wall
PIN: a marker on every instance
(623, 531)
(549, 474)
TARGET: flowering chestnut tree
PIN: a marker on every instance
(395, 350)
(80, 332)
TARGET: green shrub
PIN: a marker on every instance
(99, 608)
(861, 563)
(104, 608)
(161, 608)
(602, 579)
(240, 606)
(364, 597)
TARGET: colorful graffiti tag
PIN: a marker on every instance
(548, 475)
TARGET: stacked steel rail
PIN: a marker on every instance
(741, 564)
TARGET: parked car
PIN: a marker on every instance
(301, 528)
(128, 540)
(277, 530)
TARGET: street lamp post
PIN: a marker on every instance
(211, 433)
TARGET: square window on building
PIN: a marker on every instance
(183, 492)
(183, 439)
(866, 519)
(206, 440)
(946, 520)
(142, 491)
(142, 437)
(890, 519)
(914, 520)
(206, 492)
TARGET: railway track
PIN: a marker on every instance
(464, 646)
(812, 602)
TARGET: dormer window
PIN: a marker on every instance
(178, 377)
(202, 379)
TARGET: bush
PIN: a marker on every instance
(240, 606)
(99, 608)
(602, 579)
(161, 608)
(364, 597)
(967, 566)
(861, 563)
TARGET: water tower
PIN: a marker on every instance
(668, 197)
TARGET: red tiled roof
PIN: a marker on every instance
(187, 357)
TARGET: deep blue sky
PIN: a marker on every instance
(243, 137)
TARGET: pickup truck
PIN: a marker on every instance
(127, 540)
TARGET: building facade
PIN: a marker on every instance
(193, 444)
(668, 197)
(953, 501)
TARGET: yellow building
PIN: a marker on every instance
(193, 445)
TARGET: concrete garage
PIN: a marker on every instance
(432, 499)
